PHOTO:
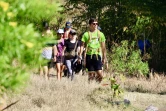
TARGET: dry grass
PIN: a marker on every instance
(156, 85)
(77, 95)
(143, 100)
(139, 101)
(52, 95)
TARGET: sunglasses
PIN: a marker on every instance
(95, 23)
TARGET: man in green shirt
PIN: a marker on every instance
(94, 43)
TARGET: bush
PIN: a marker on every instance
(126, 59)
(20, 44)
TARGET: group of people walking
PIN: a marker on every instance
(68, 51)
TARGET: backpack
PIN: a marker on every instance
(90, 38)
(77, 67)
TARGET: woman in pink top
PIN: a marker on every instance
(59, 54)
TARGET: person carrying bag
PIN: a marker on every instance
(71, 54)
(72, 46)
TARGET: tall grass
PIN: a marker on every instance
(52, 95)
(77, 95)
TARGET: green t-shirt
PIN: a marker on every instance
(93, 45)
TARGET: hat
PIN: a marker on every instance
(73, 32)
(60, 31)
(68, 24)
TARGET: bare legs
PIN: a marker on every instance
(44, 70)
(90, 76)
(41, 70)
(59, 68)
(97, 75)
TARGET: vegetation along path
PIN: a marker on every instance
(77, 95)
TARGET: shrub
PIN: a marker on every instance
(20, 44)
(126, 59)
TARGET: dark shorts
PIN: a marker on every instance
(93, 63)
(60, 59)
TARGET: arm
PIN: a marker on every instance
(78, 50)
(103, 48)
(64, 47)
(81, 49)
(60, 40)
(84, 40)
(55, 52)
(63, 52)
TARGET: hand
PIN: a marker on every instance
(103, 60)
(63, 53)
(79, 59)
(84, 63)
(54, 59)
(106, 65)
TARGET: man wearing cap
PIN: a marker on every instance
(67, 30)
(94, 42)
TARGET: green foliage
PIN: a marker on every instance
(117, 91)
(141, 25)
(149, 7)
(43, 10)
(126, 60)
(20, 44)
(124, 20)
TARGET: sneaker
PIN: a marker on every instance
(65, 73)
(72, 77)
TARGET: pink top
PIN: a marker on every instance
(60, 47)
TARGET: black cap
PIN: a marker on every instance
(73, 32)
(68, 25)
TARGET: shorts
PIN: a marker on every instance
(60, 59)
(46, 62)
(93, 62)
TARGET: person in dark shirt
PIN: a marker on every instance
(72, 47)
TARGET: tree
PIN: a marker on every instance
(125, 20)
(20, 42)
